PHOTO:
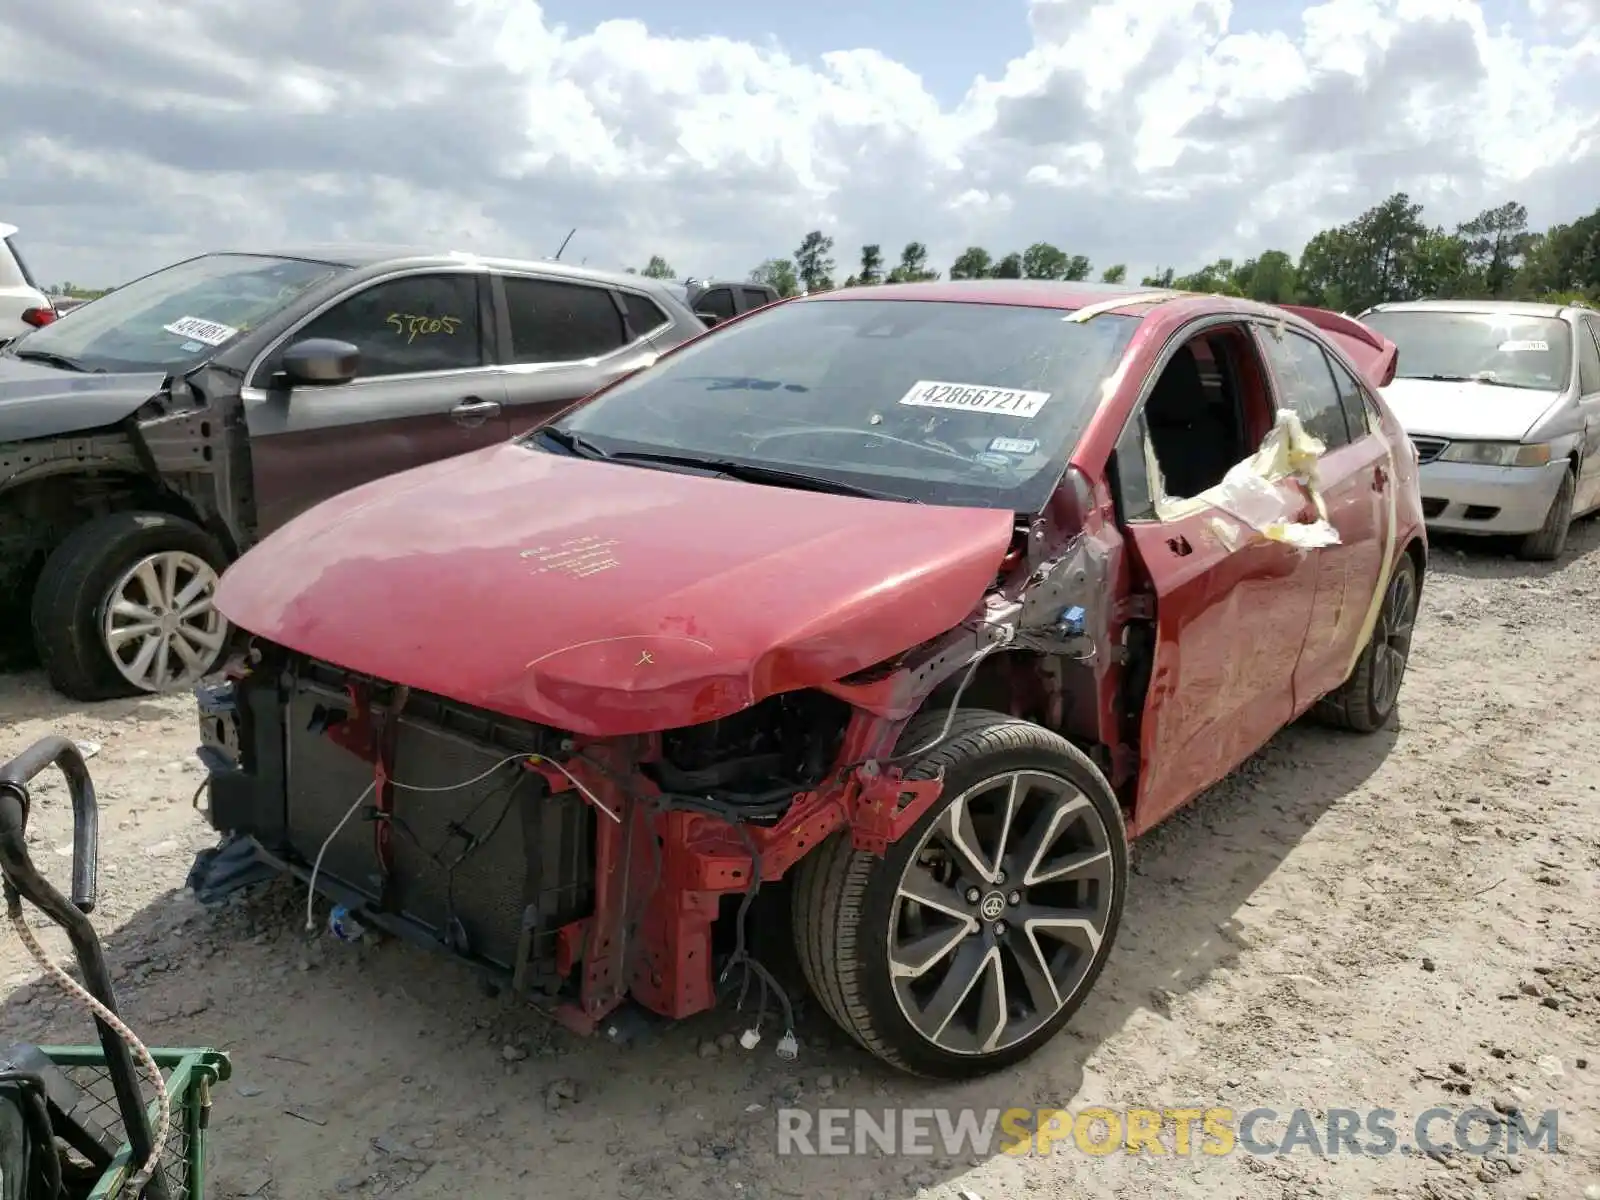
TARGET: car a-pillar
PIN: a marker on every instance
(124, 605)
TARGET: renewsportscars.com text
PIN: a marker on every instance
(1176, 1131)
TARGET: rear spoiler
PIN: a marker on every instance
(1375, 354)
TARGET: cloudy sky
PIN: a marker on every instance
(1149, 132)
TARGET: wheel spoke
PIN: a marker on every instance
(993, 1011)
(192, 659)
(1034, 966)
(194, 590)
(169, 581)
(205, 639)
(124, 607)
(1048, 826)
(139, 668)
(955, 828)
(966, 968)
(149, 581)
(196, 608)
(916, 958)
(121, 635)
(920, 885)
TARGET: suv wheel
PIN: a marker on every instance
(970, 944)
(1365, 702)
(124, 606)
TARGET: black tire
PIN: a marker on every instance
(843, 897)
(69, 599)
(1365, 703)
(1550, 540)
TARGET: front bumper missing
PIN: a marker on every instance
(609, 907)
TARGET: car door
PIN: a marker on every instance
(424, 391)
(1588, 495)
(565, 338)
(718, 302)
(1355, 477)
(1231, 613)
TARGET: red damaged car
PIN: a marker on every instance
(922, 598)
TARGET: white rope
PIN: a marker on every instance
(136, 1184)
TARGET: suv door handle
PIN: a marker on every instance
(474, 411)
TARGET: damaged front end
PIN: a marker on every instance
(580, 870)
(576, 870)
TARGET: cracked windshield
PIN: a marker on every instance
(1494, 347)
(943, 403)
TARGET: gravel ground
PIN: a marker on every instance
(1400, 922)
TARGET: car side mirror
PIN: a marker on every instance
(710, 318)
(319, 362)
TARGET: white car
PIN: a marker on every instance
(22, 305)
(1502, 402)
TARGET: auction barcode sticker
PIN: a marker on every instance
(211, 333)
(967, 397)
(1523, 347)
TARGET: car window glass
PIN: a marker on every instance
(555, 322)
(1305, 384)
(1588, 360)
(718, 300)
(404, 326)
(1351, 399)
(1503, 348)
(643, 315)
(755, 298)
(1133, 474)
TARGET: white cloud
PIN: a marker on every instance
(1139, 131)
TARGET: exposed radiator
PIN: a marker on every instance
(534, 853)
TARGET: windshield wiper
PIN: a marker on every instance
(575, 442)
(752, 473)
(1490, 380)
(54, 360)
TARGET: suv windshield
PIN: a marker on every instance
(176, 317)
(1502, 348)
(940, 402)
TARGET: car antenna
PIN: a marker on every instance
(564, 242)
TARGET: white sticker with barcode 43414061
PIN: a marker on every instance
(969, 397)
(1523, 347)
(210, 333)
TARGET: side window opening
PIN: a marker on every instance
(1353, 399)
(411, 325)
(1199, 417)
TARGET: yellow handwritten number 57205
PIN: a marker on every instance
(409, 325)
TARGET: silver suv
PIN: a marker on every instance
(22, 305)
(1502, 402)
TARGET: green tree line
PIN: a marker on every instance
(1390, 252)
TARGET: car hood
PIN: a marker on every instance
(1467, 410)
(38, 401)
(606, 599)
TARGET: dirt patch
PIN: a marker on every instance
(1399, 922)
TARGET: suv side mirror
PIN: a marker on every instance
(320, 362)
(710, 318)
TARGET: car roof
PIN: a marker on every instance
(6, 230)
(1030, 293)
(361, 256)
(1515, 308)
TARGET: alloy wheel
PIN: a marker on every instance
(1000, 913)
(1392, 641)
(161, 627)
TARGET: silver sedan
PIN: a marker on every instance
(1502, 402)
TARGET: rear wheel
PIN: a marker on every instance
(969, 945)
(124, 606)
(1370, 696)
(1547, 543)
